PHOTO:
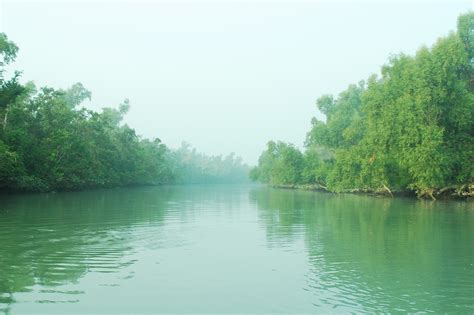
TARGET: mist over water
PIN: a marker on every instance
(148, 120)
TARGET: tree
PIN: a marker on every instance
(280, 164)
(411, 128)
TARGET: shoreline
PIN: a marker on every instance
(459, 192)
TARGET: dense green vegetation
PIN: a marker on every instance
(409, 129)
(49, 142)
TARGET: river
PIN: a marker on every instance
(233, 248)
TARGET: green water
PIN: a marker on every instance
(233, 249)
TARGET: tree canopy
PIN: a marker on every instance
(408, 129)
(48, 141)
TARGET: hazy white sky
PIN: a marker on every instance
(226, 76)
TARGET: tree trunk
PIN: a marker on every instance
(387, 189)
(5, 118)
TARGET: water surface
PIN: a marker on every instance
(233, 249)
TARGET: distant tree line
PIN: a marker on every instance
(49, 142)
(192, 167)
(409, 129)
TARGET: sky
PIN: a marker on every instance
(226, 76)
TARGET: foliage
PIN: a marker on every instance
(281, 163)
(191, 167)
(411, 128)
(49, 142)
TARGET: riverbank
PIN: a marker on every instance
(405, 128)
(455, 192)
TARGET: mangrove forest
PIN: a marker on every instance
(408, 129)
